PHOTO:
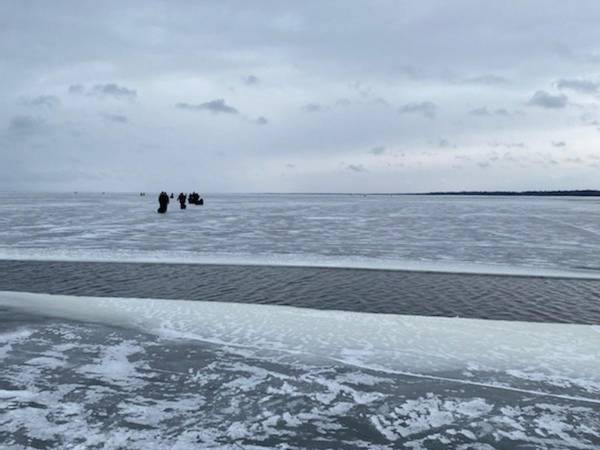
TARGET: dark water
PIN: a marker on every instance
(523, 298)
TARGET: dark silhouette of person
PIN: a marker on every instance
(172, 196)
(195, 198)
(163, 201)
(182, 198)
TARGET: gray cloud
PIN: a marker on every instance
(251, 80)
(76, 89)
(426, 109)
(508, 144)
(379, 150)
(579, 85)
(314, 107)
(25, 125)
(445, 143)
(45, 101)
(545, 100)
(589, 120)
(485, 80)
(559, 144)
(216, 106)
(462, 158)
(485, 112)
(113, 90)
(118, 118)
(409, 72)
(573, 160)
(261, 120)
(356, 168)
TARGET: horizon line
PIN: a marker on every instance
(496, 192)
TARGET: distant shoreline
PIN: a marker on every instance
(576, 193)
(564, 193)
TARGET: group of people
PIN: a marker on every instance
(193, 199)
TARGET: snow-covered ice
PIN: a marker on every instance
(514, 235)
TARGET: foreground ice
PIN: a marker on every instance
(148, 373)
(377, 341)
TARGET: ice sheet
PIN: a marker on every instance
(556, 354)
(545, 236)
(149, 374)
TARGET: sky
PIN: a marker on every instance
(311, 96)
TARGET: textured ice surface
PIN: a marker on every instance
(142, 373)
(493, 235)
(559, 355)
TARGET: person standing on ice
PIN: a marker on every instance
(163, 201)
(182, 198)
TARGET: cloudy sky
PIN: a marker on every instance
(317, 96)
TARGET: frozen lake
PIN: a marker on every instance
(109, 341)
(474, 234)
